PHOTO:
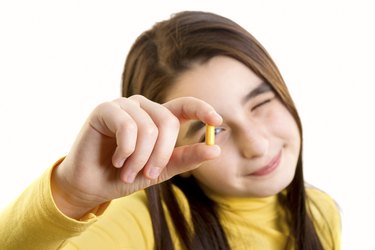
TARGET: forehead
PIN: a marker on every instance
(221, 78)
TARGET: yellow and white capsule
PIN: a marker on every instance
(210, 134)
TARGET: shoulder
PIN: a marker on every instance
(325, 213)
(321, 200)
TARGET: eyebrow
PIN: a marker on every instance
(263, 87)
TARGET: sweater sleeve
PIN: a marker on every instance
(34, 222)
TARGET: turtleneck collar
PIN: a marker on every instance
(260, 207)
(243, 203)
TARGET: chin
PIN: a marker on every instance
(270, 189)
(266, 193)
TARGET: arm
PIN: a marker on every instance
(34, 222)
(112, 157)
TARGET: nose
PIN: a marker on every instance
(252, 141)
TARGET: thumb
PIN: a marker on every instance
(188, 157)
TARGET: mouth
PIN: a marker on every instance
(269, 168)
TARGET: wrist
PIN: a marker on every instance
(66, 199)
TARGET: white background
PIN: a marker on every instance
(59, 59)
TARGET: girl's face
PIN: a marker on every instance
(259, 138)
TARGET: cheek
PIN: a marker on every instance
(281, 124)
(284, 125)
(219, 168)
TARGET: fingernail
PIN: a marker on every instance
(153, 173)
(217, 115)
(130, 177)
(215, 151)
(120, 163)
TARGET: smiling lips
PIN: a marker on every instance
(270, 166)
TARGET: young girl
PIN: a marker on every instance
(140, 176)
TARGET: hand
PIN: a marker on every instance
(127, 145)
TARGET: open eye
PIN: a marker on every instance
(217, 131)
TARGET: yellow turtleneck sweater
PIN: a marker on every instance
(34, 222)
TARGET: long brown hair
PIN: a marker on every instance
(155, 60)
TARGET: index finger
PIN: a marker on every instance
(191, 108)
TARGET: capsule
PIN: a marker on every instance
(210, 134)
